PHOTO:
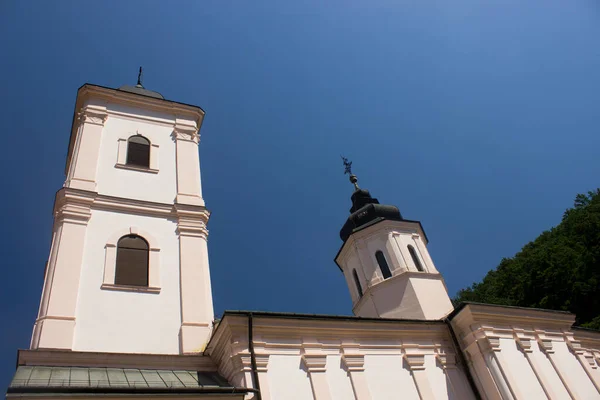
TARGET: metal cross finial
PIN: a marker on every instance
(140, 78)
(347, 166)
(348, 170)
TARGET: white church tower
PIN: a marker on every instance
(386, 264)
(128, 267)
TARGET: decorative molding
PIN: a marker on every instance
(262, 361)
(315, 362)
(447, 359)
(110, 262)
(488, 344)
(416, 362)
(92, 115)
(524, 344)
(191, 220)
(74, 206)
(136, 168)
(185, 133)
(128, 288)
(545, 345)
(354, 362)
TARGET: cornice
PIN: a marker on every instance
(73, 205)
(77, 204)
(191, 220)
(500, 316)
(314, 339)
(131, 99)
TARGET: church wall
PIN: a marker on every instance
(520, 370)
(527, 353)
(386, 373)
(573, 373)
(158, 186)
(552, 383)
(338, 379)
(308, 358)
(287, 378)
(122, 321)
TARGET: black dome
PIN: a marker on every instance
(366, 211)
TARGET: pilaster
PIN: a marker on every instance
(196, 293)
(585, 358)
(447, 360)
(355, 365)
(84, 162)
(189, 187)
(262, 362)
(55, 325)
(490, 347)
(547, 347)
(315, 365)
(525, 344)
(416, 363)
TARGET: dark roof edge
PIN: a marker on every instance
(298, 316)
(583, 328)
(374, 222)
(466, 303)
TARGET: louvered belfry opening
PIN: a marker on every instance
(138, 151)
(132, 261)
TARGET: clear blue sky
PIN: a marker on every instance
(481, 119)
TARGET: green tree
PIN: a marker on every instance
(559, 270)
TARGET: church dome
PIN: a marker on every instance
(139, 89)
(367, 211)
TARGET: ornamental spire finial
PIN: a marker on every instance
(139, 83)
(348, 170)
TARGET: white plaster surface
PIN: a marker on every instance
(287, 379)
(580, 383)
(160, 187)
(338, 379)
(546, 368)
(440, 386)
(388, 379)
(129, 322)
(520, 369)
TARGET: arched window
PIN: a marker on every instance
(357, 282)
(413, 254)
(132, 261)
(383, 265)
(138, 151)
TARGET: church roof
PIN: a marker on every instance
(51, 379)
(139, 89)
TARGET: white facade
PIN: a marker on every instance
(104, 198)
(415, 289)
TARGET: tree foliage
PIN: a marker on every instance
(559, 270)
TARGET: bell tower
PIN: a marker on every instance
(385, 261)
(128, 266)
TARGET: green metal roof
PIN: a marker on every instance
(127, 380)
